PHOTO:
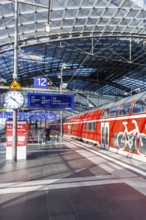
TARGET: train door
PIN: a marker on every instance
(69, 130)
(105, 135)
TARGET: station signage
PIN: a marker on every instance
(50, 101)
(29, 115)
(40, 82)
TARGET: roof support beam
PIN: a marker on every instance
(111, 83)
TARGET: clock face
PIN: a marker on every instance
(14, 99)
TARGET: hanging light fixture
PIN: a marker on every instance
(47, 28)
(47, 25)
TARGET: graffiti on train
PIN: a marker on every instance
(132, 139)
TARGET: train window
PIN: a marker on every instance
(67, 120)
(125, 109)
(73, 127)
(94, 126)
(90, 126)
(105, 113)
(85, 126)
(114, 111)
(139, 106)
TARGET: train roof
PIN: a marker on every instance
(131, 98)
(123, 100)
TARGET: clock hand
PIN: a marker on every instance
(14, 100)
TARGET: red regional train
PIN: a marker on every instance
(119, 127)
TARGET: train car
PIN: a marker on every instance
(118, 126)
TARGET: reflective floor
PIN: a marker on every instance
(70, 181)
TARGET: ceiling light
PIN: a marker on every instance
(64, 85)
(64, 66)
(47, 28)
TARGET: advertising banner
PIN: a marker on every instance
(21, 134)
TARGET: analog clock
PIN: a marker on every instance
(14, 99)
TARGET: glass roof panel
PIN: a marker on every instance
(58, 4)
(96, 12)
(102, 42)
(57, 14)
(75, 3)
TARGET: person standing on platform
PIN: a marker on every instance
(47, 133)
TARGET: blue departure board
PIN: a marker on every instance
(50, 101)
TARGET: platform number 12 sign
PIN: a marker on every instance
(40, 82)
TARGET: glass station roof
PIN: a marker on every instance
(101, 41)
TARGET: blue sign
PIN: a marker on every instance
(30, 115)
(50, 101)
(40, 82)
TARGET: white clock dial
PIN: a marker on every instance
(14, 99)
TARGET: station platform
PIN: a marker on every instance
(72, 181)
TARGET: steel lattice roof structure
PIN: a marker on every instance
(101, 41)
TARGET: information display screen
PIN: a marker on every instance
(50, 101)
